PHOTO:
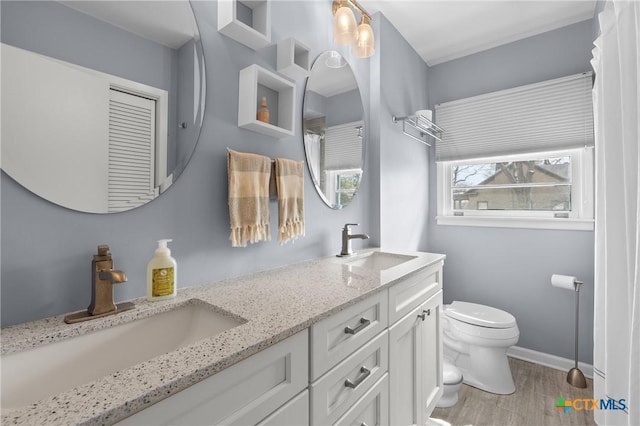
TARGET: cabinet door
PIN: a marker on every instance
(431, 354)
(405, 370)
(293, 413)
(242, 394)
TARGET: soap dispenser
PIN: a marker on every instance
(162, 273)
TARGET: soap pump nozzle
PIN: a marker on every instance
(162, 247)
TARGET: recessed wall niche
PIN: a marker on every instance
(247, 22)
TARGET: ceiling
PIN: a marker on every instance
(439, 30)
(442, 30)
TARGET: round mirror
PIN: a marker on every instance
(102, 101)
(333, 129)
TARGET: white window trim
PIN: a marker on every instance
(580, 218)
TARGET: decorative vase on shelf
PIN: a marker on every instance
(263, 112)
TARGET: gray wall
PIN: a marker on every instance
(46, 249)
(400, 89)
(511, 268)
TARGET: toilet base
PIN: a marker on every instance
(452, 381)
(487, 369)
(449, 397)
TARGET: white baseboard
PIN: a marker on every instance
(549, 360)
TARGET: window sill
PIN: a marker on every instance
(517, 222)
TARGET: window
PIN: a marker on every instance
(347, 184)
(521, 157)
(542, 190)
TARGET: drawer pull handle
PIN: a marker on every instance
(363, 323)
(422, 316)
(428, 312)
(365, 373)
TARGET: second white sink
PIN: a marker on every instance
(47, 370)
(378, 260)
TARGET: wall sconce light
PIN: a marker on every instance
(345, 31)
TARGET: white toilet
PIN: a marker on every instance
(476, 339)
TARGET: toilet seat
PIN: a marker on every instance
(479, 315)
(471, 333)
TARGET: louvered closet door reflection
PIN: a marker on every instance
(131, 151)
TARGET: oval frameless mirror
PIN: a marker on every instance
(333, 129)
(102, 101)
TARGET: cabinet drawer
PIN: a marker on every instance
(293, 413)
(242, 394)
(372, 409)
(336, 337)
(413, 290)
(344, 384)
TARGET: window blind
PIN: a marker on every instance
(551, 115)
(343, 149)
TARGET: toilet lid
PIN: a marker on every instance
(484, 316)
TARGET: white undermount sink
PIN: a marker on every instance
(378, 260)
(50, 369)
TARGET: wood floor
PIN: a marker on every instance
(533, 403)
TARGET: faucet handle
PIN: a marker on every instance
(347, 225)
(103, 255)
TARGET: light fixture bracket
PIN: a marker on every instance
(337, 4)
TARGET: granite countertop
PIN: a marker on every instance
(275, 304)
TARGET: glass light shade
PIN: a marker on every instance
(335, 60)
(364, 46)
(344, 26)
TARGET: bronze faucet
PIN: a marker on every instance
(103, 277)
(347, 236)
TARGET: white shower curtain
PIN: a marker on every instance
(312, 145)
(616, 95)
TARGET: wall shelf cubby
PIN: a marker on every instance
(246, 21)
(255, 83)
(293, 58)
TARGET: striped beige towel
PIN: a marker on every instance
(290, 188)
(248, 197)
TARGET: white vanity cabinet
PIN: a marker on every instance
(376, 362)
(415, 347)
(258, 389)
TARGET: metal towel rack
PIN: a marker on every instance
(422, 126)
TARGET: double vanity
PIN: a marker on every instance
(354, 340)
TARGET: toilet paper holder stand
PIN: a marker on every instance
(575, 377)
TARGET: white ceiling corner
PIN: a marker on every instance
(443, 30)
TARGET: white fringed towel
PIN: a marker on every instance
(290, 188)
(248, 197)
